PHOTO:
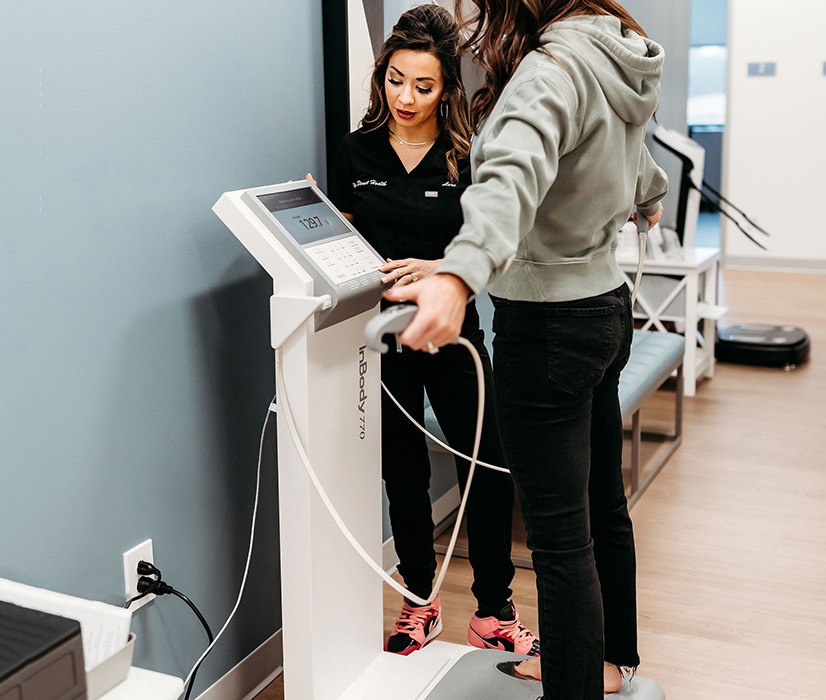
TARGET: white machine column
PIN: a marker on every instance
(327, 591)
(326, 286)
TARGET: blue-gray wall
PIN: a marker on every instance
(136, 369)
(709, 22)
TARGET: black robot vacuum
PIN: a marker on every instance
(764, 345)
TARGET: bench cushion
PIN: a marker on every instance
(654, 356)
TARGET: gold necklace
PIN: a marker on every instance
(411, 144)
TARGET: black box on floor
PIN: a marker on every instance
(41, 656)
(765, 345)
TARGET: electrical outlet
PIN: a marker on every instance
(143, 551)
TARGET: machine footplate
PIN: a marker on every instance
(475, 676)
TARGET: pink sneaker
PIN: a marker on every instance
(415, 627)
(508, 634)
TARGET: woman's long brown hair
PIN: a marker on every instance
(505, 31)
(431, 29)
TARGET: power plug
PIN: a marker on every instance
(131, 574)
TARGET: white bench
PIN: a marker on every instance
(655, 356)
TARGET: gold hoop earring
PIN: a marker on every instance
(444, 111)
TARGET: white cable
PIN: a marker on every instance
(354, 543)
(640, 264)
(479, 462)
(270, 411)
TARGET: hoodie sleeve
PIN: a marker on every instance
(652, 184)
(518, 158)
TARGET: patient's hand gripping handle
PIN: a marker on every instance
(642, 233)
(392, 320)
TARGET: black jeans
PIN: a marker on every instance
(450, 380)
(556, 369)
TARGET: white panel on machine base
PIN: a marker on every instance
(406, 677)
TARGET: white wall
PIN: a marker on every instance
(360, 60)
(775, 145)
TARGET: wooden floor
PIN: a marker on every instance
(731, 536)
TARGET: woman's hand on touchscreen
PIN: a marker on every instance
(401, 273)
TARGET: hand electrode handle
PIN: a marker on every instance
(392, 320)
(642, 223)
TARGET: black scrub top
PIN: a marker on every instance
(401, 214)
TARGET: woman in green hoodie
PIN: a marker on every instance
(558, 161)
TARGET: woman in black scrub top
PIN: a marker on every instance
(399, 178)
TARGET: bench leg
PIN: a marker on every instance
(638, 487)
(678, 405)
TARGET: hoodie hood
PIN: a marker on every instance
(628, 66)
(558, 164)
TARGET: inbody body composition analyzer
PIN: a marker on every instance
(326, 288)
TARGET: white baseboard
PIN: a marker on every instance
(745, 262)
(255, 672)
(445, 505)
(250, 675)
(389, 560)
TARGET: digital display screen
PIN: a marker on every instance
(305, 216)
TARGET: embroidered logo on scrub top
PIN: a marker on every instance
(365, 183)
(431, 193)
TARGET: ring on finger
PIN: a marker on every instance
(432, 349)
(414, 277)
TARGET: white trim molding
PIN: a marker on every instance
(250, 675)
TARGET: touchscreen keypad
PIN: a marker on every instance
(344, 259)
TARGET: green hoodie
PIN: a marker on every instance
(558, 164)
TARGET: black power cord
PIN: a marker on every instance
(149, 583)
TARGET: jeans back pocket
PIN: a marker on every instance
(582, 343)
